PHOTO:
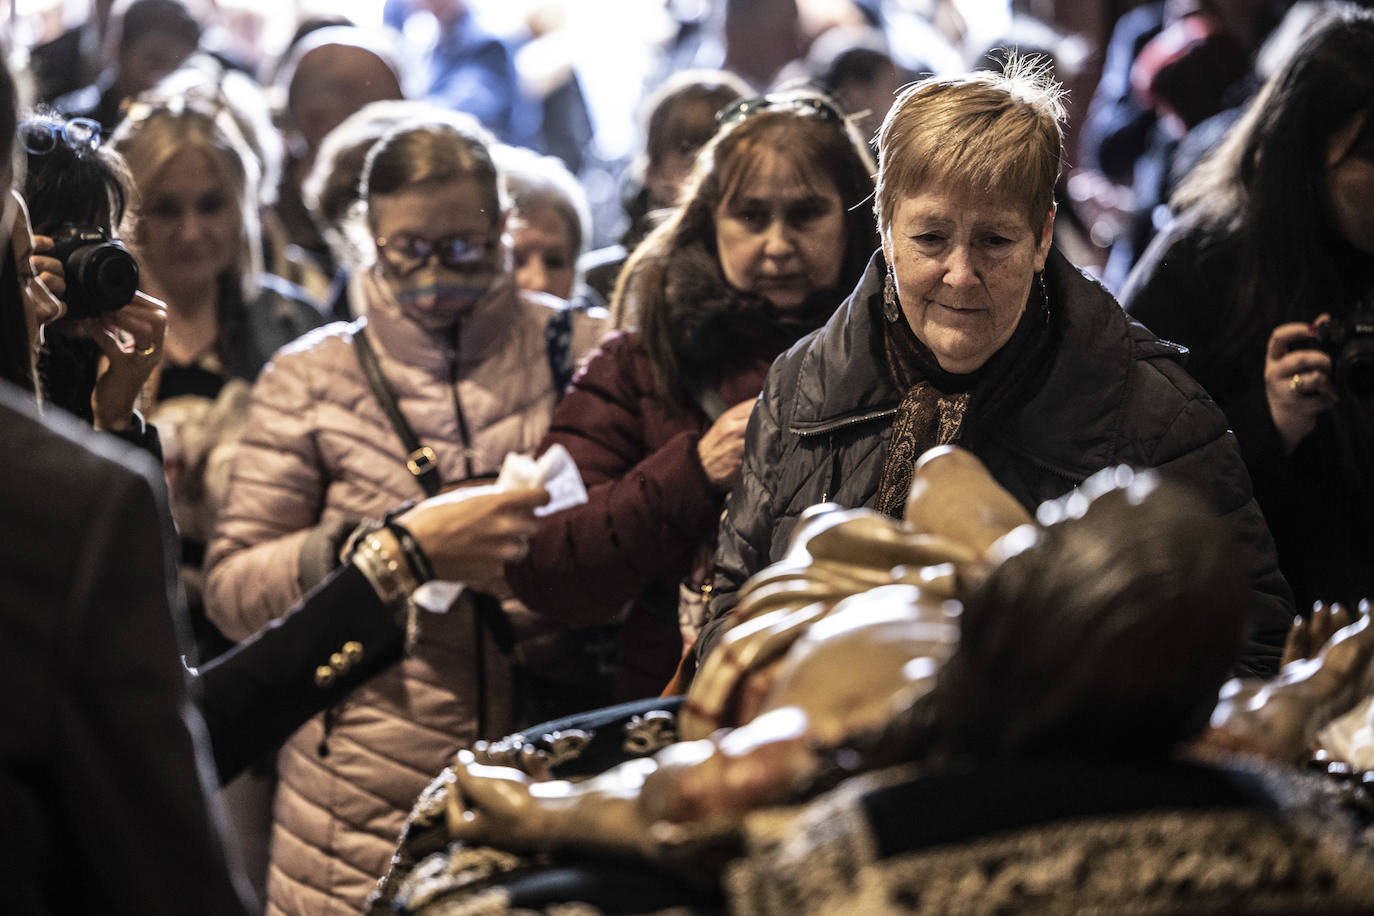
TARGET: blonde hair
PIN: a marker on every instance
(156, 131)
(534, 182)
(994, 133)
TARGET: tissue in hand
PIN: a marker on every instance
(555, 471)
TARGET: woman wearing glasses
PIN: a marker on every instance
(771, 233)
(462, 358)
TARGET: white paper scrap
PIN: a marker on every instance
(555, 471)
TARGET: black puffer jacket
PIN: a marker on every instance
(1113, 394)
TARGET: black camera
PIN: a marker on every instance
(1350, 344)
(101, 274)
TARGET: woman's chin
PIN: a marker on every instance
(786, 299)
(960, 357)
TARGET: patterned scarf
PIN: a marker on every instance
(942, 408)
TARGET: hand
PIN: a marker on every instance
(721, 449)
(48, 269)
(503, 806)
(1297, 382)
(470, 534)
(1309, 635)
(493, 804)
(131, 340)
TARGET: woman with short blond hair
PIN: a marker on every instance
(969, 328)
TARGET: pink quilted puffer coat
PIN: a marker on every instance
(318, 450)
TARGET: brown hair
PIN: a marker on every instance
(803, 127)
(681, 115)
(996, 133)
(424, 152)
(332, 192)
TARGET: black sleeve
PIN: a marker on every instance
(142, 435)
(255, 695)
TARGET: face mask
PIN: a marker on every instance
(437, 298)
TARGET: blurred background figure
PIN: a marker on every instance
(195, 233)
(331, 73)
(679, 118)
(73, 58)
(1168, 67)
(548, 225)
(853, 66)
(1267, 277)
(147, 40)
(465, 65)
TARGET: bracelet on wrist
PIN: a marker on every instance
(414, 554)
(389, 575)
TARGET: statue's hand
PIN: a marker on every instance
(494, 805)
(1309, 635)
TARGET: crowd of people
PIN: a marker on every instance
(270, 331)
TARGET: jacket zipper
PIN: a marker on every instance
(1072, 475)
(843, 423)
(829, 430)
(464, 440)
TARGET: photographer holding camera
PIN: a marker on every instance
(1267, 277)
(101, 353)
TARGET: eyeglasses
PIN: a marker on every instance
(805, 104)
(406, 254)
(42, 137)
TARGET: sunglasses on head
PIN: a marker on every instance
(805, 104)
(42, 137)
(406, 254)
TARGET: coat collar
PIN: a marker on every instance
(842, 379)
(407, 342)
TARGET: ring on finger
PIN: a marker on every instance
(1295, 383)
(148, 350)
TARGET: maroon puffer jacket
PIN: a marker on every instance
(649, 507)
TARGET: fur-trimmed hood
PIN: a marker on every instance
(716, 326)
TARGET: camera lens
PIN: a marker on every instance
(1355, 369)
(101, 277)
(115, 274)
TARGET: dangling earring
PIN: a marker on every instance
(1044, 298)
(890, 310)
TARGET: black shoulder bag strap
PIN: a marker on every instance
(423, 463)
(420, 459)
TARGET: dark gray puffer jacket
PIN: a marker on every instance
(1113, 394)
